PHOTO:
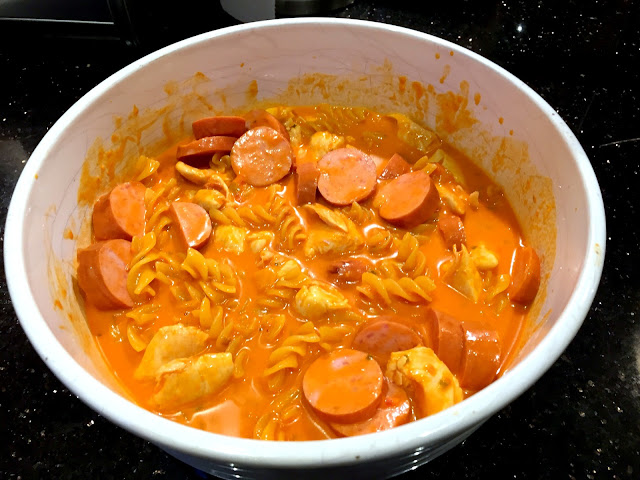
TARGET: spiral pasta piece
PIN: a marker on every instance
(285, 408)
(153, 195)
(227, 215)
(291, 231)
(211, 319)
(279, 283)
(257, 215)
(195, 265)
(147, 167)
(414, 262)
(140, 276)
(378, 289)
(286, 355)
(141, 246)
(358, 214)
(273, 325)
(144, 314)
(379, 241)
(135, 338)
(332, 337)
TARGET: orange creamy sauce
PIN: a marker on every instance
(235, 410)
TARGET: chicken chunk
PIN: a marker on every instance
(229, 238)
(170, 343)
(332, 218)
(483, 258)
(209, 199)
(426, 378)
(324, 240)
(184, 380)
(199, 176)
(455, 198)
(323, 142)
(462, 274)
(315, 301)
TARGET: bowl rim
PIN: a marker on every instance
(256, 453)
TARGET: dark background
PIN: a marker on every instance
(579, 421)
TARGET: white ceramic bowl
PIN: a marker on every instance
(369, 63)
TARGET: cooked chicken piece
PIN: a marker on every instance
(229, 238)
(426, 378)
(332, 218)
(209, 199)
(315, 301)
(317, 146)
(170, 343)
(324, 240)
(327, 240)
(483, 258)
(186, 380)
(462, 274)
(258, 241)
(455, 198)
(323, 142)
(199, 176)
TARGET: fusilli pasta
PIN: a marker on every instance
(285, 357)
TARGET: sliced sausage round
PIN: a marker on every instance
(205, 146)
(481, 358)
(409, 200)
(348, 271)
(394, 410)
(193, 222)
(220, 125)
(102, 273)
(383, 337)
(344, 386)
(525, 276)
(347, 175)
(262, 118)
(120, 213)
(452, 230)
(395, 167)
(261, 156)
(306, 177)
(447, 338)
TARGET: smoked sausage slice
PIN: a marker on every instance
(261, 156)
(347, 175)
(395, 167)
(102, 273)
(220, 125)
(452, 230)
(383, 337)
(525, 276)
(481, 357)
(409, 200)
(262, 118)
(447, 338)
(205, 146)
(394, 410)
(344, 386)
(348, 271)
(120, 213)
(193, 222)
(306, 177)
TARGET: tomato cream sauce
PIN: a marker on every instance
(245, 399)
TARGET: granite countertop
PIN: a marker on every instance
(581, 420)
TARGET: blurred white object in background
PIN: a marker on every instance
(252, 10)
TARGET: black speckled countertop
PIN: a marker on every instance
(580, 421)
